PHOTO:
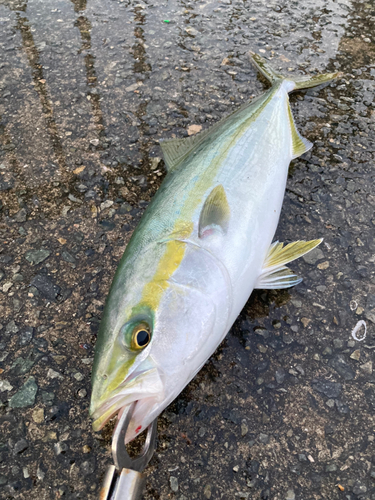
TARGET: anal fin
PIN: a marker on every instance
(274, 272)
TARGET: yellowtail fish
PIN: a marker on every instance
(203, 244)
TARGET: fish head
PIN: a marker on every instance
(151, 343)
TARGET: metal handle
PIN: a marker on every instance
(126, 486)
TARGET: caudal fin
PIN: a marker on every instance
(300, 82)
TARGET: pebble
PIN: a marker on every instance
(68, 257)
(327, 351)
(50, 436)
(154, 162)
(87, 467)
(79, 376)
(192, 31)
(5, 386)
(323, 265)
(26, 335)
(20, 446)
(341, 407)
(38, 415)
(37, 256)
(46, 286)
(340, 365)
(280, 375)
(305, 322)
(7, 286)
(60, 448)
(194, 129)
(244, 429)
(328, 388)
(207, 491)
(290, 495)
(74, 198)
(356, 355)
(131, 88)
(367, 368)
(359, 489)
(11, 328)
(338, 343)
(54, 374)
(301, 370)
(106, 204)
(331, 468)
(313, 256)
(25, 396)
(287, 338)
(21, 215)
(263, 438)
(173, 481)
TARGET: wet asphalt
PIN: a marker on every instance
(284, 410)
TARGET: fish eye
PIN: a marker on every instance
(141, 337)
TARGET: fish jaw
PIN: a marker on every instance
(146, 382)
(145, 412)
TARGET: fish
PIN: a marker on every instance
(203, 245)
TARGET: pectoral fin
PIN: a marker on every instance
(215, 213)
(274, 272)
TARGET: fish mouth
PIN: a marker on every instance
(143, 385)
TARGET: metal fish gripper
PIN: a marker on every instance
(124, 479)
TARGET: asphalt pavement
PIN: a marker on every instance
(284, 410)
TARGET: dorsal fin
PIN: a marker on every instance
(176, 150)
(215, 213)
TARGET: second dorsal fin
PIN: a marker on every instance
(215, 213)
(299, 144)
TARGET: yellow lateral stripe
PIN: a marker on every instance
(168, 264)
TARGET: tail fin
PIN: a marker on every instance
(300, 82)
